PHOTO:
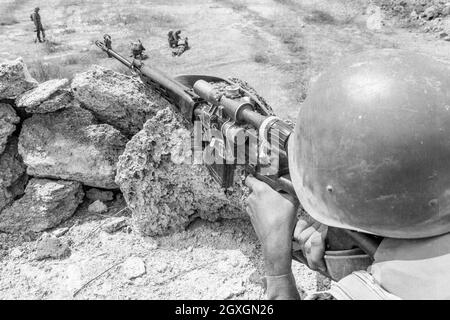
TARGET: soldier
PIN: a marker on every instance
(171, 39)
(108, 43)
(370, 153)
(36, 18)
(137, 50)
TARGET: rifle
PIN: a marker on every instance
(238, 114)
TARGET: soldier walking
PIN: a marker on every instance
(36, 18)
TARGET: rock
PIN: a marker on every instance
(119, 100)
(45, 205)
(12, 174)
(68, 144)
(60, 232)
(47, 97)
(430, 13)
(96, 194)
(97, 207)
(133, 267)
(53, 248)
(413, 15)
(15, 79)
(115, 225)
(446, 10)
(162, 188)
(16, 253)
(8, 120)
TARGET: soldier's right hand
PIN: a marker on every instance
(311, 235)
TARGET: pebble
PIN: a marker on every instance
(97, 207)
(133, 267)
(53, 248)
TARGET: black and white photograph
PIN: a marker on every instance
(223, 154)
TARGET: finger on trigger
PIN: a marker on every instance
(317, 251)
(306, 234)
(299, 227)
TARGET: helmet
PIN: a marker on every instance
(371, 147)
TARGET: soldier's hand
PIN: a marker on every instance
(273, 218)
(311, 235)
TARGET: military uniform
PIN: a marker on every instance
(36, 18)
(137, 50)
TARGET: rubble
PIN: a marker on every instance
(430, 13)
(102, 195)
(15, 79)
(47, 97)
(46, 204)
(8, 121)
(52, 248)
(119, 100)
(164, 192)
(97, 207)
(12, 174)
(68, 144)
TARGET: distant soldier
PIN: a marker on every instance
(36, 18)
(171, 39)
(137, 50)
(108, 42)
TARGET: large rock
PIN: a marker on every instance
(8, 120)
(46, 204)
(47, 97)
(15, 79)
(164, 191)
(67, 144)
(119, 100)
(430, 13)
(12, 174)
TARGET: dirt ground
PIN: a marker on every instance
(278, 46)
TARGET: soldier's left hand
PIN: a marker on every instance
(273, 218)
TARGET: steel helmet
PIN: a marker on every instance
(371, 147)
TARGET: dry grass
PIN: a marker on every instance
(261, 57)
(51, 46)
(236, 5)
(43, 71)
(320, 17)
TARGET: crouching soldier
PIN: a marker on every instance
(137, 50)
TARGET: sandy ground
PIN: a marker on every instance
(276, 46)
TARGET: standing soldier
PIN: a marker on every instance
(36, 18)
